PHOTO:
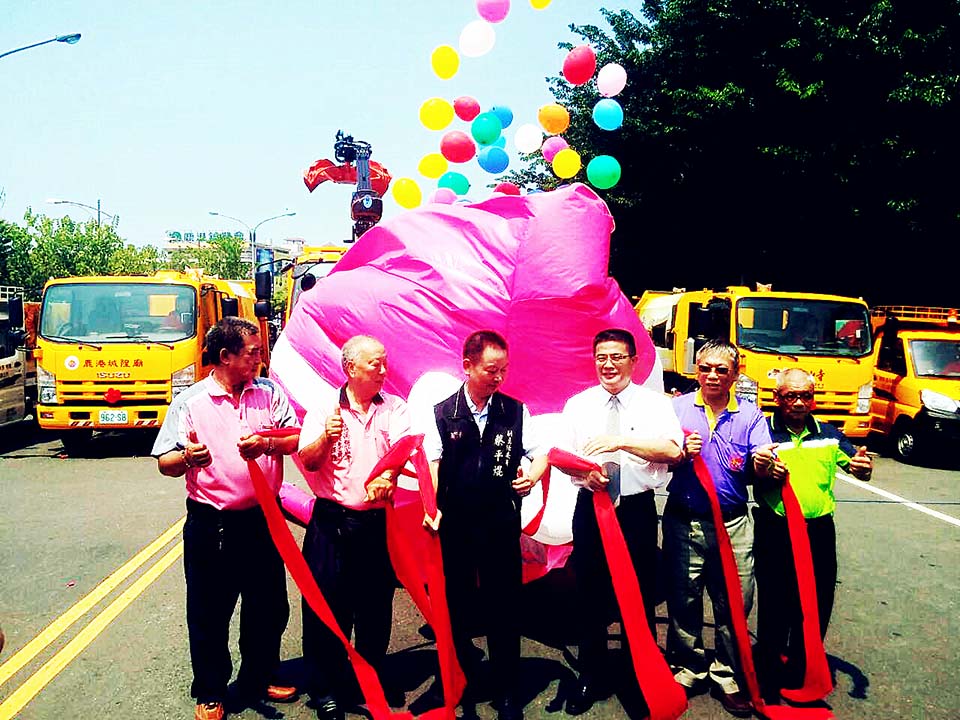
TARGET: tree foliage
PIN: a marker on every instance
(806, 143)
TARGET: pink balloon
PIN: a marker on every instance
(444, 196)
(551, 146)
(466, 108)
(493, 11)
(579, 65)
(507, 188)
(457, 147)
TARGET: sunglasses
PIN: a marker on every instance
(790, 397)
(718, 369)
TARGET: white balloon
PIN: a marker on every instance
(477, 38)
(611, 79)
(528, 138)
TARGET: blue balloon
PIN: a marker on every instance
(493, 159)
(607, 114)
(500, 142)
(504, 113)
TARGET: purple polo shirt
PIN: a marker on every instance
(728, 451)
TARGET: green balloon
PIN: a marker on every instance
(486, 128)
(603, 172)
(455, 181)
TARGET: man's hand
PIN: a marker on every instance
(432, 524)
(196, 454)
(861, 464)
(333, 428)
(603, 444)
(692, 445)
(380, 488)
(596, 481)
(253, 446)
(523, 484)
(767, 465)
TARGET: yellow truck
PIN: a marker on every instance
(827, 335)
(308, 267)
(916, 384)
(113, 351)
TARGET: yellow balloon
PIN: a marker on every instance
(539, 4)
(554, 118)
(433, 165)
(436, 113)
(566, 163)
(445, 61)
(406, 192)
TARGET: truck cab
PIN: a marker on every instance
(916, 386)
(308, 267)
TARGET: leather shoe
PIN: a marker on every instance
(581, 699)
(510, 709)
(736, 703)
(329, 709)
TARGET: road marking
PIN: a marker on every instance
(83, 606)
(36, 682)
(896, 498)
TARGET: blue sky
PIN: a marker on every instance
(165, 111)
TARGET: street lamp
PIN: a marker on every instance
(113, 218)
(253, 235)
(68, 39)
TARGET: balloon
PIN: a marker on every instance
(607, 114)
(500, 142)
(454, 181)
(528, 138)
(443, 195)
(504, 113)
(436, 113)
(444, 61)
(493, 11)
(477, 38)
(611, 79)
(554, 118)
(466, 108)
(493, 159)
(566, 163)
(539, 4)
(457, 147)
(553, 145)
(579, 65)
(406, 192)
(603, 172)
(507, 188)
(486, 128)
(433, 165)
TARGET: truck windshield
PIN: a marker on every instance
(803, 327)
(936, 358)
(316, 269)
(119, 312)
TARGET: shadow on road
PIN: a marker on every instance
(859, 680)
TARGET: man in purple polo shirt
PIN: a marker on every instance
(209, 433)
(727, 433)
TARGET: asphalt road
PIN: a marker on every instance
(70, 527)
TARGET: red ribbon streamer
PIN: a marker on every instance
(738, 616)
(664, 696)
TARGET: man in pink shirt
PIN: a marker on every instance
(210, 432)
(346, 540)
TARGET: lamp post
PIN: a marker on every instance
(72, 39)
(113, 218)
(253, 235)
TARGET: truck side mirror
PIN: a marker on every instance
(229, 306)
(261, 309)
(264, 284)
(15, 311)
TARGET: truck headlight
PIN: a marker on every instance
(863, 398)
(46, 386)
(747, 388)
(937, 402)
(182, 379)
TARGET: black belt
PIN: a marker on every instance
(685, 513)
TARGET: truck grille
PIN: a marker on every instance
(141, 392)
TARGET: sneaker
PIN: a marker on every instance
(208, 711)
(281, 693)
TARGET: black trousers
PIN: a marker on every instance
(637, 515)
(482, 565)
(347, 554)
(779, 618)
(228, 554)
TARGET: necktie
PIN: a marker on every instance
(612, 467)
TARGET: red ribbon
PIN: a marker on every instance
(664, 696)
(738, 618)
(431, 602)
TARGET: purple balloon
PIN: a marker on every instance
(551, 146)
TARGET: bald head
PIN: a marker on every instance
(795, 378)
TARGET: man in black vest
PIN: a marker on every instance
(475, 455)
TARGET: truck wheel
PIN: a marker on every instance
(904, 442)
(76, 443)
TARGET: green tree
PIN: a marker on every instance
(219, 256)
(12, 240)
(131, 260)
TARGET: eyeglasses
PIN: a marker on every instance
(615, 358)
(718, 369)
(790, 397)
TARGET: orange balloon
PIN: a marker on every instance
(554, 118)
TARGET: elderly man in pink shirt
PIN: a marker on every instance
(210, 432)
(346, 539)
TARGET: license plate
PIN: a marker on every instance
(113, 417)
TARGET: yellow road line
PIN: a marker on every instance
(36, 682)
(62, 623)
